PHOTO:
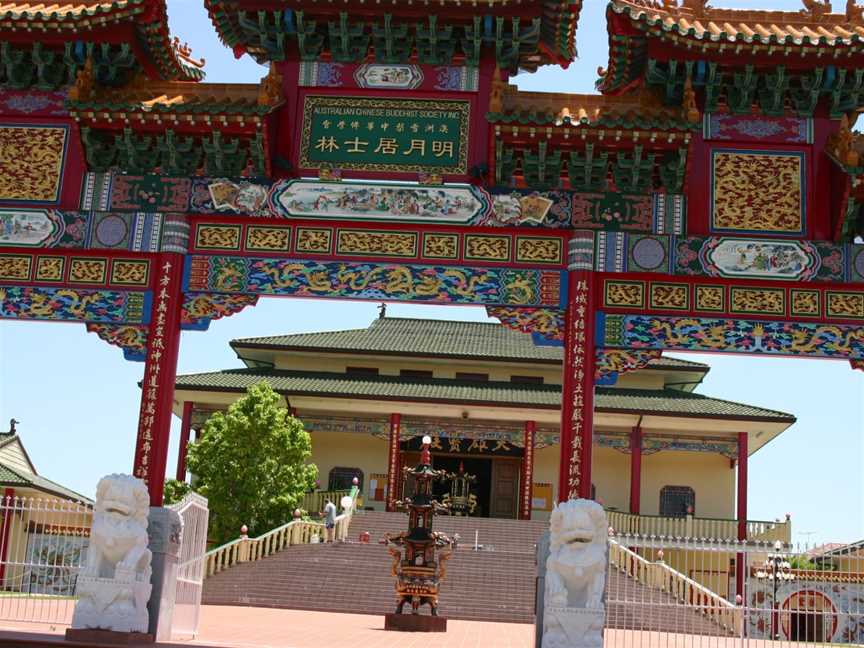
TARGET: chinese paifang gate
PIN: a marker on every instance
(708, 199)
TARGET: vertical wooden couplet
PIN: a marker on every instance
(742, 510)
(577, 397)
(527, 471)
(393, 461)
(160, 369)
(635, 469)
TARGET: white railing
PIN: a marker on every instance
(195, 515)
(660, 576)
(43, 547)
(678, 592)
(246, 549)
(698, 528)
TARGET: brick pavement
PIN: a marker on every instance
(236, 627)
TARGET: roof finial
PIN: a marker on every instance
(270, 90)
(854, 13)
(12, 424)
(691, 110)
(815, 9)
(382, 310)
(184, 53)
(84, 82)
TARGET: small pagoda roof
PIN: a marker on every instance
(161, 57)
(259, 28)
(642, 111)
(799, 38)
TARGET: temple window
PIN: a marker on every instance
(476, 377)
(527, 380)
(361, 371)
(415, 373)
(677, 501)
(341, 478)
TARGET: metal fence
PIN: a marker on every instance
(190, 569)
(43, 545)
(683, 592)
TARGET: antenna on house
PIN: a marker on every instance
(382, 310)
(12, 424)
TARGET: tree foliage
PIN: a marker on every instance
(251, 464)
(175, 491)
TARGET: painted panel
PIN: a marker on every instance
(458, 285)
(730, 335)
(224, 195)
(73, 305)
(30, 227)
(758, 128)
(32, 102)
(758, 191)
(376, 243)
(387, 76)
(755, 259)
(31, 163)
(379, 201)
(375, 134)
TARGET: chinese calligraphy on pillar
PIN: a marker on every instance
(528, 470)
(157, 387)
(577, 404)
(393, 461)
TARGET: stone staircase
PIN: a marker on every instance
(496, 583)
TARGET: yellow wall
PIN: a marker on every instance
(350, 450)
(611, 477)
(709, 475)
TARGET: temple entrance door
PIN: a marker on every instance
(505, 488)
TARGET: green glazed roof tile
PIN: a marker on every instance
(436, 338)
(383, 387)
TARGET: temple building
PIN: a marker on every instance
(490, 399)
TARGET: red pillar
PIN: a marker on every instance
(393, 461)
(577, 396)
(527, 471)
(160, 370)
(742, 510)
(185, 428)
(635, 469)
(8, 514)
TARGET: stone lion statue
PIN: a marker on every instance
(576, 575)
(114, 587)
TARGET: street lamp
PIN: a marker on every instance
(777, 570)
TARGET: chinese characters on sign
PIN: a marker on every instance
(374, 134)
(577, 340)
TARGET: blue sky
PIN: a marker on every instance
(77, 399)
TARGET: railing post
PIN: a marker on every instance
(243, 547)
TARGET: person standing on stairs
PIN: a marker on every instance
(329, 516)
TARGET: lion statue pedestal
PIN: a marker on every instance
(114, 587)
(574, 607)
